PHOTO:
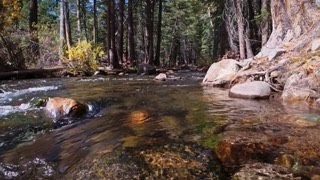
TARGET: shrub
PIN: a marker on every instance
(83, 58)
(11, 55)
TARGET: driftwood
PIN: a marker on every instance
(31, 73)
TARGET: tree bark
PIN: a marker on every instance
(240, 23)
(265, 28)
(295, 24)
(120, 30)
(62, 31)
(79, 31)
(112, 55)
(33, 21)
(95, 23)
(67, 24)
(159, 25)
(84, 18)
(149, 14)
(248, 43)
(131, 45)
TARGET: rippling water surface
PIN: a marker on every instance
(141, 128)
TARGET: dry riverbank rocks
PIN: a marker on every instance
(58, 108)
(251, 90)
(221, 73)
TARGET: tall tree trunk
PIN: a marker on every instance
(67, 24)
(265, 27)
(33, 21)
(131, 45)
(112, 55)
(295, 24)
(62, 31)
(248, 43)
(149, 14)
(230, 14)
(79, 31)
(84, 18)
(159, 25)
(120, 30)
(95, 22)
(240, 23)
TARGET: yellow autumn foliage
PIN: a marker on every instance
(9, 11)
(83, 57)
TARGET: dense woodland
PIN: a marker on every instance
(121, 34)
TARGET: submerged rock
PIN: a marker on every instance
(146, 69)
(281, 141)
(60, 107)
(221, 73)
(251, 90)
(263, 171)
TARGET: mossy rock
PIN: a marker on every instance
(38, 102)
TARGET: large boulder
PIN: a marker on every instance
(302, 86)
(146, 69)
(251, 90)
(58, 108)
(221, 73)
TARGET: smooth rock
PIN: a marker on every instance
(221, 73)
(57, 108)
(315, 45)
(251, 90)
(161, 77)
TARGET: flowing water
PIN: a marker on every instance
(138, 128)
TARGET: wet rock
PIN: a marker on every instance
(161, 77)
(315, 45)
(38, 102)
(178, 161)
(221, 73)
(146, 69)
(263, 171)
(60, 107)
(302, 86)
(279, 141)
(251, 90)
(2, 91)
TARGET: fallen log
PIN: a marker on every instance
(31, 74)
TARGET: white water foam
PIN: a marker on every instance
(6, 110)
(7, 96)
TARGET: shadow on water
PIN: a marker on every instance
(140, 129)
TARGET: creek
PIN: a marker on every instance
(138, 128)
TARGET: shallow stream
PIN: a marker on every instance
(139, 128)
